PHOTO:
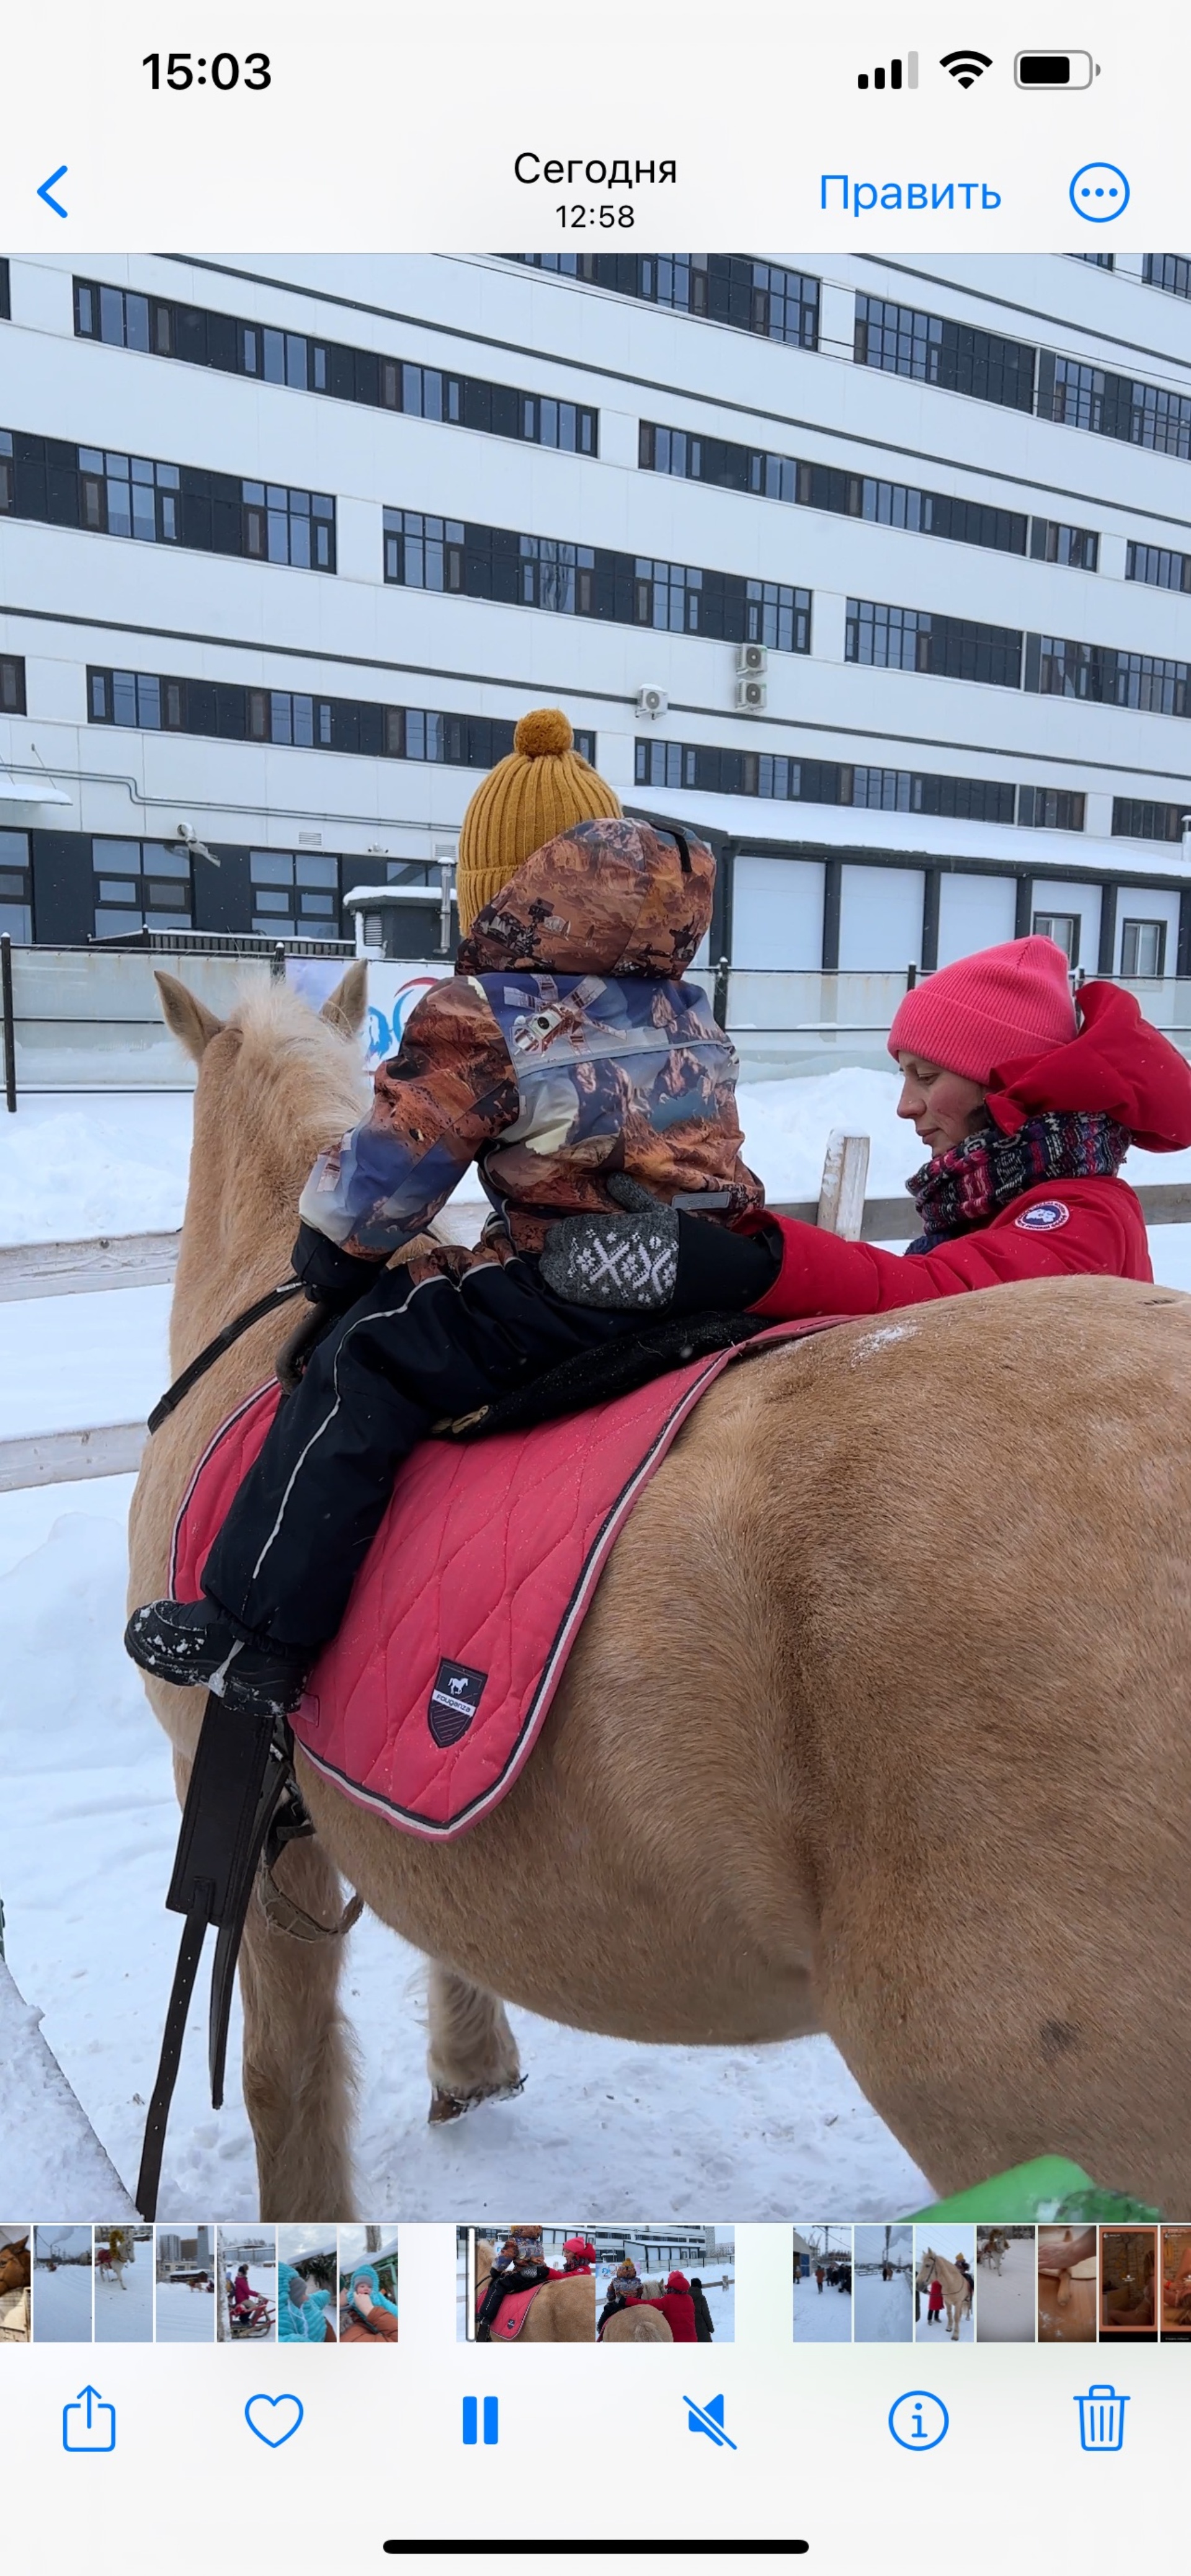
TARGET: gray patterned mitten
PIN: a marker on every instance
(619, 1261)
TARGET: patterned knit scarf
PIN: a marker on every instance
(971, 1182)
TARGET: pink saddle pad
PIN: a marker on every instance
(431, 1697)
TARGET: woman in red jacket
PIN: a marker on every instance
(1027, 1107)
(678, 2308)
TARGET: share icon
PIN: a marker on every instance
(709, 2419)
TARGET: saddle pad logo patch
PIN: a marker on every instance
(1044, 1218)
(453, 1701)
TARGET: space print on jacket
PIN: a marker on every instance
(566, 1047)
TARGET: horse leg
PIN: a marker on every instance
(299, 2061)
(472, 2055)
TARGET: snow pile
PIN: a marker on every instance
(71, 1167)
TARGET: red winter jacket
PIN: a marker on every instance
(1118, 1064)
(678, 2308)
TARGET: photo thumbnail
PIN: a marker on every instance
(246, 2271)
(62, 2285)
(367, 2302)
(1067, 2284)
(307, 2285)
(187, 2295)
(824, 2263)
(16, 2276)
(883, 2296)
(124, 2283)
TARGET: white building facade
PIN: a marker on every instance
(289, 544)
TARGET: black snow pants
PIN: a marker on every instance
(401, 1360)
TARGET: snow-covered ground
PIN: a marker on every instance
(1007, 2301)
(184, 2315)
(883, 2310)
(944, 2237)
(126, 2316)
(603, 2124)
(821, 2316)
(62, 2300)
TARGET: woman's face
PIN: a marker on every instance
(945, 1107)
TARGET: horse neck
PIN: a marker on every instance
(261, 1118)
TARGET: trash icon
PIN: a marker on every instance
(1101, 2419)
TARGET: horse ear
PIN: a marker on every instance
(188, 1018)
(344, 1008)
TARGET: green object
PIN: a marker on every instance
(1048, 2189)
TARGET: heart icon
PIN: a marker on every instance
(273, 2419)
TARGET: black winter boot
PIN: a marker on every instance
(192, 1643)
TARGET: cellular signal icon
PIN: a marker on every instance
(965, 65)
(894, 78)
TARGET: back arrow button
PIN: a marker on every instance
(52, 182)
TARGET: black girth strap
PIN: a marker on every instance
(240, 1775)
(266, 1305)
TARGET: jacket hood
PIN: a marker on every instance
(678, 2281)
(1117, 1063)
(607, 898)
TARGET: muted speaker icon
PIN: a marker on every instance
(895, 75)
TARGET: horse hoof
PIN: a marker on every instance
(444, 2106)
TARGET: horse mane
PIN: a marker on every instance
(283, 1040)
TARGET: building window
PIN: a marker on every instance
(16, 888)
(1052, 542)
(12, 685)
(139, 496)
(128, 496)
(1158, 565)
(1050, 809)
(718, 286)
(283, 526)
(1165, 269)
(1143, 948)
(1093, 258)
(914, 639)
(1085, 397)
(474, 562)
(155, 701)
(938, 352)
(733, 468)
(1063, 928)
(716, 772)
(294, 894)
(1058, 667)
(139, 885)
(307, 365)
(5, 292)
(1135, 819)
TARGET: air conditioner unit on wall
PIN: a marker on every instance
(751, 694)
(652, 703)
(752, 658)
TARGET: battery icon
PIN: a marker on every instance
(1055, 71)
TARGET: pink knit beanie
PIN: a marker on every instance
(1010, 1001)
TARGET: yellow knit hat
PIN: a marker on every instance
(542, 788)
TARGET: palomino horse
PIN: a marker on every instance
(637, 2324)
(907, 1607)
(563, 2311)
(955, 2286)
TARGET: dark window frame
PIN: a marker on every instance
(880, 635)
(302, 720)
(13, 701)
(305, 362)
(729, 287)
(1141, 974)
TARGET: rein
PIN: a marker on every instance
(197, 1368)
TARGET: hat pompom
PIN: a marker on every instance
(545, 730)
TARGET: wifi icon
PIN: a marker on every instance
(965, 65)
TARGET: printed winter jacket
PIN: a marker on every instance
(1118, 1064)
(565, 1047)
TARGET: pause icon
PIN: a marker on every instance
(898, 76)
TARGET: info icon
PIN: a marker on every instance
(918, 2420)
